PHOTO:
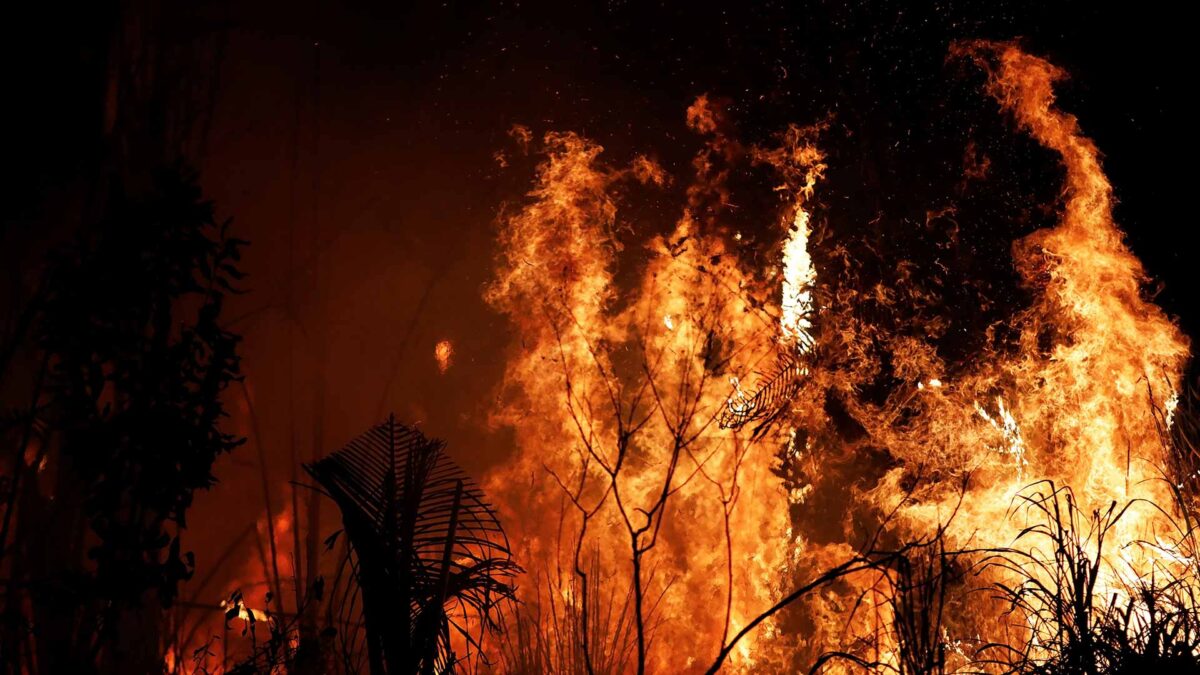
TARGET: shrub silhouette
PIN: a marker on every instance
(433, 562)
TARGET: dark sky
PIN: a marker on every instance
(373, 154)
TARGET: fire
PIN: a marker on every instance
(443, 354)
(245, 613)
(673, 473)
(801, 165)
(799, 277)
(613, 414)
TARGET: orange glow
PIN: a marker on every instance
(443, 353)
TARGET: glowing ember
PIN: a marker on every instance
(443, 353)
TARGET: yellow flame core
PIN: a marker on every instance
(799, 277)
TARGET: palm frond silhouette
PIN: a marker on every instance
(432, 561)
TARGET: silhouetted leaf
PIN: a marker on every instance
(424, 537)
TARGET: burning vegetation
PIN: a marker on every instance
(740, 444)
(1024, 508)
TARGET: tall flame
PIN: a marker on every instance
(614, 399)
(799, 277)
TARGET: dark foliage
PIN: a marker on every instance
(274, 648)
(128, 409)
(1142, 625)
(431, 555)
(138, 362)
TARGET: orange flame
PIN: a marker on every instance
(625, 486)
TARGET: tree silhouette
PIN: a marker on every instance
(127, 408)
